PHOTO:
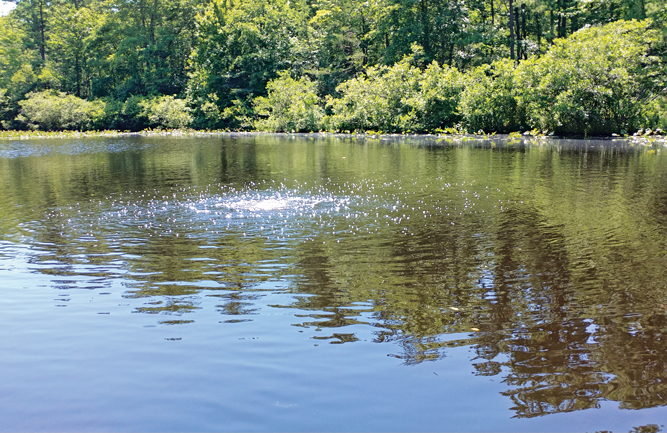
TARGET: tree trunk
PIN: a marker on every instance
(517, 31)
(42, 46)
(563, 26)
(511, 25)
(523, 20)
(493, 15)
(77, 67)
(524, 36)
(561, 19)
(152, 22)
(364, 47)
(426, 29)
(538, 29)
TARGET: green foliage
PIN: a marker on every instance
(291, 105)
(135, 48)
(22, 81)
(239, 115)
(208, 113)
(439, 26)
(51, 110)
(110, 116)
(4, 103)
(488, 101)
(438, 101)
(12, 56)
(601, 80)
(48, 77)
(71, 35)
(140, 112)
(380, 99)
(400, 98)
(132, 115)
(24, 78)
(346, 37)
(124, 115)
(661, 112)
(165, 112)
(240, 49)
(221, 55)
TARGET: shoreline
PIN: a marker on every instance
(648, 139)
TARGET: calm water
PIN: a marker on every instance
(304, 283)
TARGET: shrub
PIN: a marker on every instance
(50, 110)
(239, 115)
(206, 112)
(600, 80)
(124, 115)
(111, 117)
(291, 105)
(661, 112)
(165, 112)
(133, 114)
(488, 101)
(439, 97)
(4, 104)
(381, 100)
(400, 98)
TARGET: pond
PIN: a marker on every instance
(308, 282)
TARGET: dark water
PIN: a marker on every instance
(275, 283)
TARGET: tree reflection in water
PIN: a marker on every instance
(548, 261)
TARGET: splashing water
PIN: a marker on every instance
(275, 211)
(262, 203)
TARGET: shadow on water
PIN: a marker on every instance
(548, 260)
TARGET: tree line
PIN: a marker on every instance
(561, 66)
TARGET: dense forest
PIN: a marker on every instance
(589, 67)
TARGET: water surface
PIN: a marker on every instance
(329, 283)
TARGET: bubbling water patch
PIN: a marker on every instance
(332, 211)
(271, 214)
(176, 241)
(256, 209)
(270, 203)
